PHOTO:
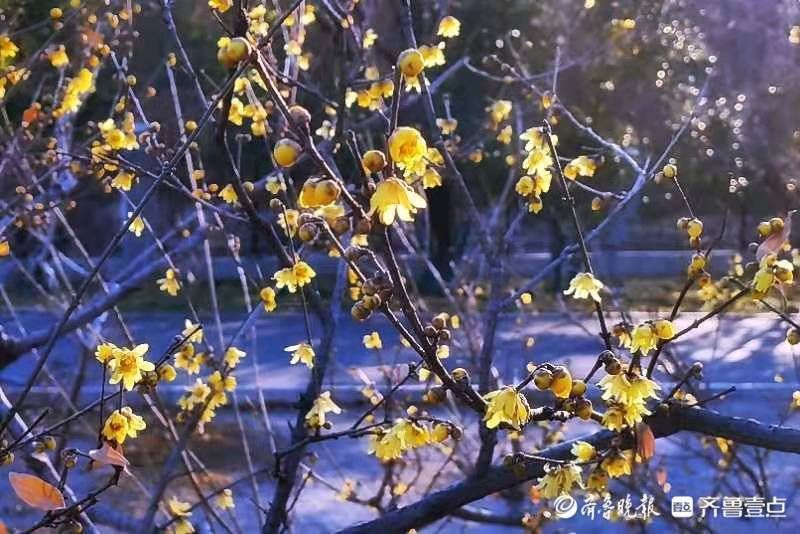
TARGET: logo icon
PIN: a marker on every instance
(565, 507)
(682, 506)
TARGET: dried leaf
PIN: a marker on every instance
(645, 442)
(108, 455)
(35, 492)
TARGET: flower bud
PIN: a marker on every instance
(286, 152)
(299, 115)
(374, 160)
(543, 378)
(578, 388)
(670, 171)
(562, 382)
(308, 232)
(583, 408)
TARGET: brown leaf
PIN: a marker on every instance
(35, 492)
(645, 442)
(107, 455)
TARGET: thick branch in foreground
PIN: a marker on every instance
(498, 478)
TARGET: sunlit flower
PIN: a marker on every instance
(192, 332)
(127, 366)
(449, 26)
(220, 5)
(644, 338)
(298, 275)
(232, 356)
(628, 389)
(323, 404)
(408, 149)
(506, 405)
(373, 341)
(267, 296)
(395, 198)
(170, 283)
(188, 359)
(224, 500)
(105, 352)
(583, 286)
(580, 166)
(301, 353)
(583, 451)
(618, 463)
(136, 226)
(559, 480)
(122, 424)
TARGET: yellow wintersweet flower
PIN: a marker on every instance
(233, 355)
(105, 352)
(315, 418)
(664, 329)
(288, 221)
(449, 26)
(584, 285)
(433, 55)
(618, 415)
(525, 186)
(618, 463)
(58, 57)
(504, 136)
(122, 424)
(220, 5)
(580, 166)
(8, 50)
(644, 338)
(76, 89)
(293, 277)
(369, 38)
(136, 226)
(224, 500)
(506, 405)
(192, 332)
(583, 451)
(275, 185)
(127, 365)
(119, 138)
(301, 353)
(597, 481)
(170, 283)
(373, 341)
(395, 198)
(447, 126)
(498, 112)
(228, 194)
(188, 359)
(628, 389)
(408, 149)
(116, 427)
(559, 479)
(267, 296)
(123, 180)
(404, 435)
(180, 510)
